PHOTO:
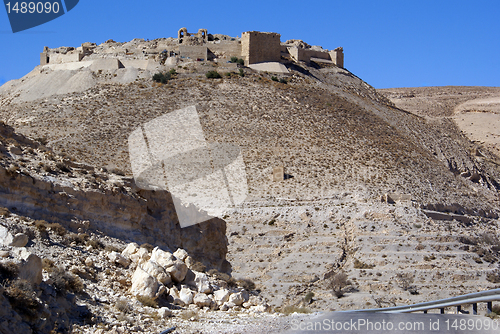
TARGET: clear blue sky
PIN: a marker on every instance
(387, 43)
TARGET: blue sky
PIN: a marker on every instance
(387, 43)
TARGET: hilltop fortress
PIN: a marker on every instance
(255, 48)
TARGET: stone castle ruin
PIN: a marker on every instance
(254, 47)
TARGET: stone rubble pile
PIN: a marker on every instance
(162, 273)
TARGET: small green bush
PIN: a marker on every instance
(273, 78)
(172, 71)
(234, 59)
(241, 73)
(213, 75)
(309, 296)
(240, 61)
(162, 77)
(283, 81)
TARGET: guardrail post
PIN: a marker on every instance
(474, 308)
(490, 307)
(442, 310)
(459, 308)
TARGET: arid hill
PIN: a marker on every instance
(404, 204)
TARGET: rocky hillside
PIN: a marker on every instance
(381, 205)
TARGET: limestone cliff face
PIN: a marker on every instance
(36, 183)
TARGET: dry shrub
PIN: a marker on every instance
(9, 270)
(361, 265)
(78, 238)
(287, 310)
(338, 282)
(405, 280)
(147, 301)
(112, 248)
(48, 264)
(23, 298)
(122, 305)
(198, 266)
(96, 244)
(494, 277)
(65, 281)
(4, 212)
(246, 283)
(189, 314)
(149, 247)
(57, 229)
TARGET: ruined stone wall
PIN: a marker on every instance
(337, 56)
(59, 58)
(317, 54)
(258, 47)
(226, 49)
(298, 54)
(193, 52)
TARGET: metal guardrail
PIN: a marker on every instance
(471, 298)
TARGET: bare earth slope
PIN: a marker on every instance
(475, 110)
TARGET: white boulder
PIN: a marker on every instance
(201, 300)
(186, 295)
(131, 248)
(164, 312)
(19, 240)
(118, 258)
(144, 284)
(31, 267)
(163, 258)
(181, 254)
(221, 296)
(177, 271)
(237, 298)
(202, 283)
(156, 271)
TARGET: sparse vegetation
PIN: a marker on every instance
(494, 277)
(4, 212)
(361, 265)
(123, 306)
(246, 283)
(213, 75)
(287, 310)
(147, 301)
(429, 258)
(273, 78)
(8, 270)
(338, 283)
(23, 298)
(162, 77)
(308, 297)
(405, 281)
(237, 60)
(65, 281)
